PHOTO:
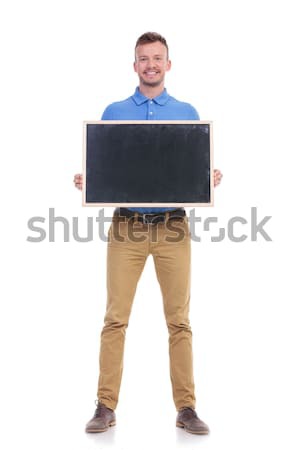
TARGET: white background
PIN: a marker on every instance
(237, 63)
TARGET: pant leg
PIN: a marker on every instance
(172, 264)
(125, 263)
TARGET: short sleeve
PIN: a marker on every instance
(108, 113)
(193, 114)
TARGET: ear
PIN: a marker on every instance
(134, 66)
(169, 65)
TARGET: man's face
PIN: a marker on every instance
(151, 63)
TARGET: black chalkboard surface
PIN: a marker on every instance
(147, 163)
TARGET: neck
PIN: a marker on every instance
(151, 91)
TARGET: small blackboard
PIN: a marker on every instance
(147, 163)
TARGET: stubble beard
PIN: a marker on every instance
(151, 83)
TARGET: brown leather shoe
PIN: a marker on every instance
(102, 420)
(187, 418)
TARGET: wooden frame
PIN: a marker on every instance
(155, 122)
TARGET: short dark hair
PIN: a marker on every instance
(149, 37)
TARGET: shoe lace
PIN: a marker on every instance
(100, 411)
(190, 413)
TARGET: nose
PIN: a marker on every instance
(151, 64)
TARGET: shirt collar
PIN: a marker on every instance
(161, 99)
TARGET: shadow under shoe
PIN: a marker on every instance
(102, 420)
(187, 418)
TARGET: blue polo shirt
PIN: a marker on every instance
(139, 107)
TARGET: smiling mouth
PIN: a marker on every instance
(151, 73)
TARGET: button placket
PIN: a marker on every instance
(150, 109)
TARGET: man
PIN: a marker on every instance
(126, 257)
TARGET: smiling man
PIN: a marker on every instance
(126, 258)
(151, 64)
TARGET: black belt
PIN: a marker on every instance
(151, 218)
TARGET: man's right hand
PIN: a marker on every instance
(78, 181)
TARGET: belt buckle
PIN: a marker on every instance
(151, 220)
(147, 221)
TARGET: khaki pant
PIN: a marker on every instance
(129, 245)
